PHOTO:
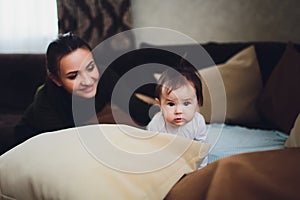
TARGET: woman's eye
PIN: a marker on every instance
(171, 104)
(72, 77)
(186, 103)
(91, 67)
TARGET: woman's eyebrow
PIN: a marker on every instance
(72, 72)
(76, 71)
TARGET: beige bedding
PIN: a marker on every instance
(105, 161)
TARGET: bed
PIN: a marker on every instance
(227, 140)
(76, 164)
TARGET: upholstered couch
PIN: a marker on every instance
(21, 74)
(260, 80)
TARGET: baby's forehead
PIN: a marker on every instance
(185, 91)
(177, 86)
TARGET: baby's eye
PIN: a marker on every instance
(186, 103)
(170, 104)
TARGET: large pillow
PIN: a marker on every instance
(98, 162)
(279, 102)
(230, 90)
(294, 137)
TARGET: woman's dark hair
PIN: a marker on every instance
(176, 77)
(63, 45)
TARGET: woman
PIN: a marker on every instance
(72, 80)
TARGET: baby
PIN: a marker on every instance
(179, 94)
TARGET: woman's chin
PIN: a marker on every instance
(87, 95)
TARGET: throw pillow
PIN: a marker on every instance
(294, 137)
(231, 89)
(98, 162)
(279, 102)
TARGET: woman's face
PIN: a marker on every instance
(78, 73)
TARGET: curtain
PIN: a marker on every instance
(27, 26)
(94, 20)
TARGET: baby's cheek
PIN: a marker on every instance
(190, 113)
(168, 115)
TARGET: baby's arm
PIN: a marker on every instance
(154, 124)
(201, 130)
(201, 135)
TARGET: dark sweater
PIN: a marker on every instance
(52, 110)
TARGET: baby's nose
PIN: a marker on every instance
(178, 109)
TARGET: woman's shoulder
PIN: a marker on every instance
(46, 103)
(49, 93)
(42, 97)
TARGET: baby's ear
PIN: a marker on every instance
(157, 102)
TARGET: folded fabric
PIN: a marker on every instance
(98, 162)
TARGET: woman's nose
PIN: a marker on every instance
(86, 79)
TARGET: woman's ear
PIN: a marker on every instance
(55, 79)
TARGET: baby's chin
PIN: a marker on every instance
(178, 123)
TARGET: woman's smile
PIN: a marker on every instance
(88, 89)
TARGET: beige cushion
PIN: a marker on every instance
(98, 162)
(294, 137)
(234, 99)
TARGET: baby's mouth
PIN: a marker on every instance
(179, 119)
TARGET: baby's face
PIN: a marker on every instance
(180, 105)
